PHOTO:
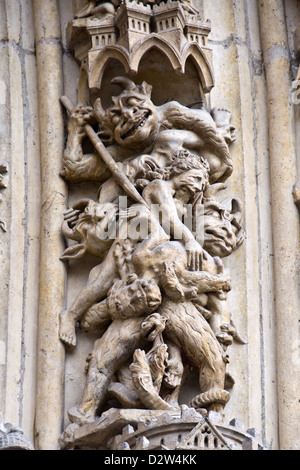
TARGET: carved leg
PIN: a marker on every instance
(220, 320)
(192, 333)
(86, 11)
(110, 351)
(96, 317)
(100, 281)
(156, 237)
(212, 382)
(205, 281)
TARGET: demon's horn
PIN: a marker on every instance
(124, 82)
(213, 189)
(99, 111)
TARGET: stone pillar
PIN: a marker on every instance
(19, 214)
(240, 88)
(50, 368)
(284, 214)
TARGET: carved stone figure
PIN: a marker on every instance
(100, 8)
(158, 294)
(172, 290)
(133, 126)
(137, 128)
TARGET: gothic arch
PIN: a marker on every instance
(155, 41)
(204, 68)
(104, 56)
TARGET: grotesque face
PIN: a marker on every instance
(134, 120)
(222, 231)
(94, 229)
(134, 297)
(97, 223)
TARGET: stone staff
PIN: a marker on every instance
(102, 151)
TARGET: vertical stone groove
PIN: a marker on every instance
(285, 221)
(50, 372)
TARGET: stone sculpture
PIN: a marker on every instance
(101, 8)
(159, 292)
(175, 157)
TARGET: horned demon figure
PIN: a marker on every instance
(159, 291)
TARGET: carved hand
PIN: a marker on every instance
(71, 216)
(194, 255)
(80, 116)
(152, 326)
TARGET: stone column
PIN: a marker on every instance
(285, 217)
(19, 214)
(50, 372)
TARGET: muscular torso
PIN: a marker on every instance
(166, 144)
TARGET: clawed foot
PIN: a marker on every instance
(67, 328)
(172, 380)
(226, 335)
(173, 373)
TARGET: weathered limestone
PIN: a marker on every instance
(20, 192)
(284, 214)
(50, 366)
(95, 304)
(235, 39)
(158, 430)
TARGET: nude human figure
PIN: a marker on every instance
(192, 179)
(136, 128)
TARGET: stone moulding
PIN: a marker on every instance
(3, 185)
(132, 61)
(160, 430)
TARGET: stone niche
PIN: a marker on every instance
(148, 324)
(149, 225)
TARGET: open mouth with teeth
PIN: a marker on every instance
(212, 236)
(136, 125)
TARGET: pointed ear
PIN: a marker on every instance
(73, 252)
(236, 209)
(147, 88)
(98, 108)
